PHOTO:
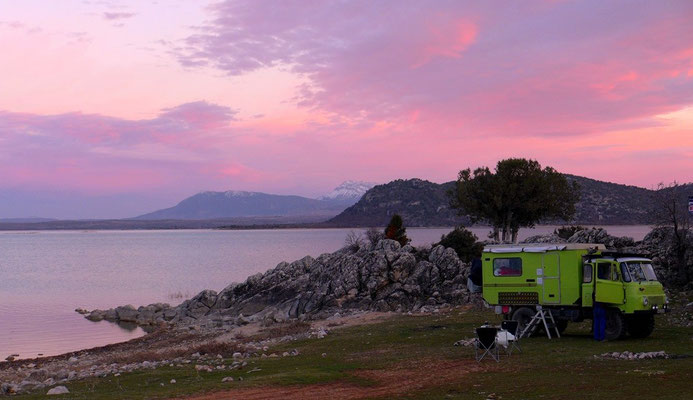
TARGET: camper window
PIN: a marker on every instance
(587, 273)
(507, 267)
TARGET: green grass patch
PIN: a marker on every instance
(545, 369)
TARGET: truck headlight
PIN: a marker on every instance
(645, 301)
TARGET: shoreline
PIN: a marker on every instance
(232, 223)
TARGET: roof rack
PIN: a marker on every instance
(614, 254)
(541, 247)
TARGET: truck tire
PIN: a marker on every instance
(615, 325)
(561, 324)
(523, 315)
(641, 326)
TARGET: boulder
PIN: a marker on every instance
(58, 390)
(126, 313)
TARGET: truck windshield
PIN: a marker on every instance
(641, 271)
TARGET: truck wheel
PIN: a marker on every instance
(641, 326)
(561, 324)
(523, 315)
(615, 325)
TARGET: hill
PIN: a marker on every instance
(424, 203)
(230, 204)
(419, 202)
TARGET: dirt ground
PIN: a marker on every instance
(396, 381)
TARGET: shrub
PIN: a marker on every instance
(353, 241)
(373, 235)
(464, 242)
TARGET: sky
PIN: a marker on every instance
(111, 109)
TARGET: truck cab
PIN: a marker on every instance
(629, 283)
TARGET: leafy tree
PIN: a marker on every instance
(671, 211)
(518, 194)
(464, 242)
(396, 231)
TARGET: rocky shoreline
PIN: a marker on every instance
(376, 277)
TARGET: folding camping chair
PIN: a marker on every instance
(485, 343)
(512, 328)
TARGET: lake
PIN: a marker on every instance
(45, 275)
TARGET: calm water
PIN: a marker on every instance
(45, 275)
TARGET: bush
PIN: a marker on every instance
(373, 236)
(353, 241)
(396, 231)
(565, 232)
(464, 242)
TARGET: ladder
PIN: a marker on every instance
(540, 318)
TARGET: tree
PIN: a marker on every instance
(396, 231)
(464, 242)
(671, 211)
(518, 194)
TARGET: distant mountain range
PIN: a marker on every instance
(232, 204)
(423, 203)
(356, 204)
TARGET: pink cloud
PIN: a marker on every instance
(548, 69)
(117, 16)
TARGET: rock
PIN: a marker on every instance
(62, 375)
(126, 313)
(38, 375)
(237, 355)
(58, 390)
(227, 379)
(319, 333)
(172, 381)
(464, 342)
(96, 315)
(72, 360)
(9, 388)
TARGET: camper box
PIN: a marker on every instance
(531, 274)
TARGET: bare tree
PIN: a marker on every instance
(671, 211)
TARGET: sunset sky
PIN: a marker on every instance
(117, 108)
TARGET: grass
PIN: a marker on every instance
(546, 369)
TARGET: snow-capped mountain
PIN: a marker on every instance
(236, 203)
(348, 191)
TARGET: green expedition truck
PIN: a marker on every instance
(567, 279)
